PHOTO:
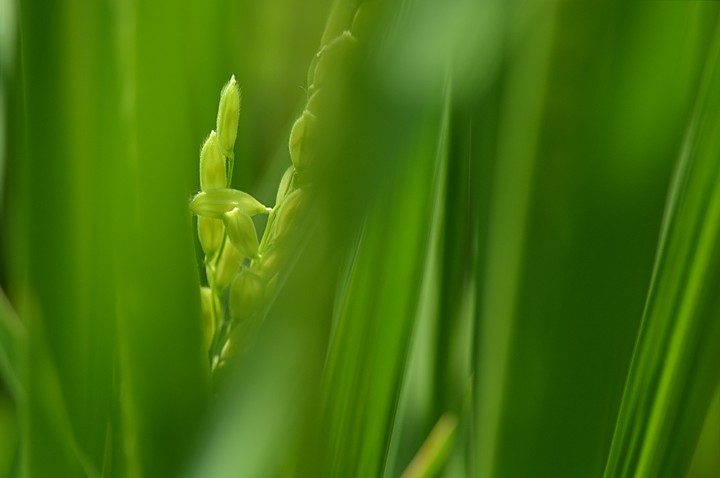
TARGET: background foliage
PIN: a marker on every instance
(516, 230)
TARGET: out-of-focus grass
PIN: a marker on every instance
(680, 330)
(489, 208)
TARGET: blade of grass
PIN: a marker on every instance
(431, 456)
(594, 204)
(70, 117)
(48, 443)
(674, 370)
(507, 221)
(368, 350)
(164, 374)
(413, 415)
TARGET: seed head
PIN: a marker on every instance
(228, 115)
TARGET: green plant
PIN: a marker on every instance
(240, 271)
(461, 273)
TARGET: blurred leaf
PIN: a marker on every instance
(433, 453)
(70, 113)
(601, 158)
(509, 206)
(11, 333)
(674, 372)
(164, 372)
(705, 461)
(49, 444)
(107, 211)
(368, 349)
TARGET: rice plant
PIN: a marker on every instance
(429, 239)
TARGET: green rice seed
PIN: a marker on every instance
(213, 167)
(228, 264)
(288, 212)
(216, 202)
(300, 130)
(228, 116)
(332, 56)
(210, 232)
(285, 183)
(208, 304)
(241, 231)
